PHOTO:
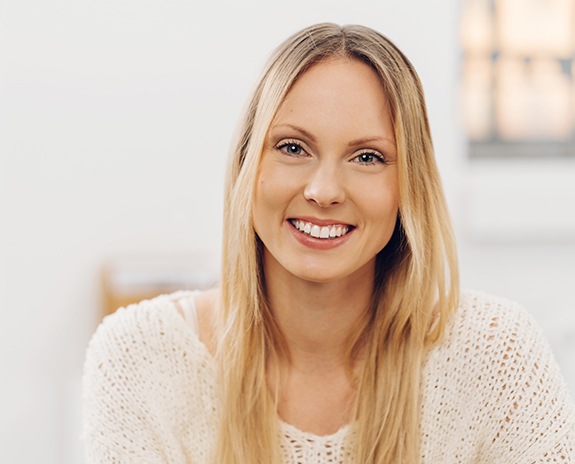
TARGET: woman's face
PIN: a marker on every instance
(326, 199)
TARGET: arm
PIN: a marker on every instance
(119, 422)
(531, 411)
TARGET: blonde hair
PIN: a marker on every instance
(416, 287)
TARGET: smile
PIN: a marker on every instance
(321, 232)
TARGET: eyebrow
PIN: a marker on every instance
(353, 143)
(302, 131)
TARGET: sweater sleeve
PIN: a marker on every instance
(531, 411)
(128, 374)
(115, 425)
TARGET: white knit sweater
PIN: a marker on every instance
(492, 393)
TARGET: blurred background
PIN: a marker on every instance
(115, 122)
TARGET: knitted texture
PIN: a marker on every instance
(492, 393)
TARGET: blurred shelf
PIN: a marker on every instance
(130, 279)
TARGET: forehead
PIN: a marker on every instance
(338, 76)
(338, 95)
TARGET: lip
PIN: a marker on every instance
(322, 222)
(317, 243)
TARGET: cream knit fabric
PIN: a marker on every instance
(492, 393)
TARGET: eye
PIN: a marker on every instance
(369, 157)
(291, 148)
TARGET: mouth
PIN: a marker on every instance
(328, 232)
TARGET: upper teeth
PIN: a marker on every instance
(333, 231)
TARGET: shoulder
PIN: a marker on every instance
(485, 333)
(208, 304)
(499, 335)
(146, 375)
(506, 373)
(494, 347)
(146, 320)
(200, 309)
(147, 348)
(139, 335)
(493, 324)
(485, 309)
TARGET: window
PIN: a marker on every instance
(518, 78)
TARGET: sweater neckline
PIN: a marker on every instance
(293, 431)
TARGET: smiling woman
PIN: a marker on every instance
(326, 199)
(338, 333)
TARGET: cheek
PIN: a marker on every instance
(268, 202)
(384, 220)
(275, 189)
(266, 194)
(380, 199)
(385, 223)
(383, 209)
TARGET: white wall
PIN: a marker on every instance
(115, 120)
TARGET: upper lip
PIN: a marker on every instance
(321, 222)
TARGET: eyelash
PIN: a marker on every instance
(377, 157)
(282, 146)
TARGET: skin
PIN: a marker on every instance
(329, 158)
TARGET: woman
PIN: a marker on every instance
(338, 333)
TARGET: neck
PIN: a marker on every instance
(317, 319)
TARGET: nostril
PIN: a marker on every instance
(324, 195)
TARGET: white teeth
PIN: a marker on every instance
(325, 232)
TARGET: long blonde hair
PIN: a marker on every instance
(416, 282)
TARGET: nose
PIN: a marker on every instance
(325, 187)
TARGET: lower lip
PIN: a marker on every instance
(318, 243)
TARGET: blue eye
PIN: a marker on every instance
(369, 158)
(291, 148)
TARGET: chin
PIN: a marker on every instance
(320, 276)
